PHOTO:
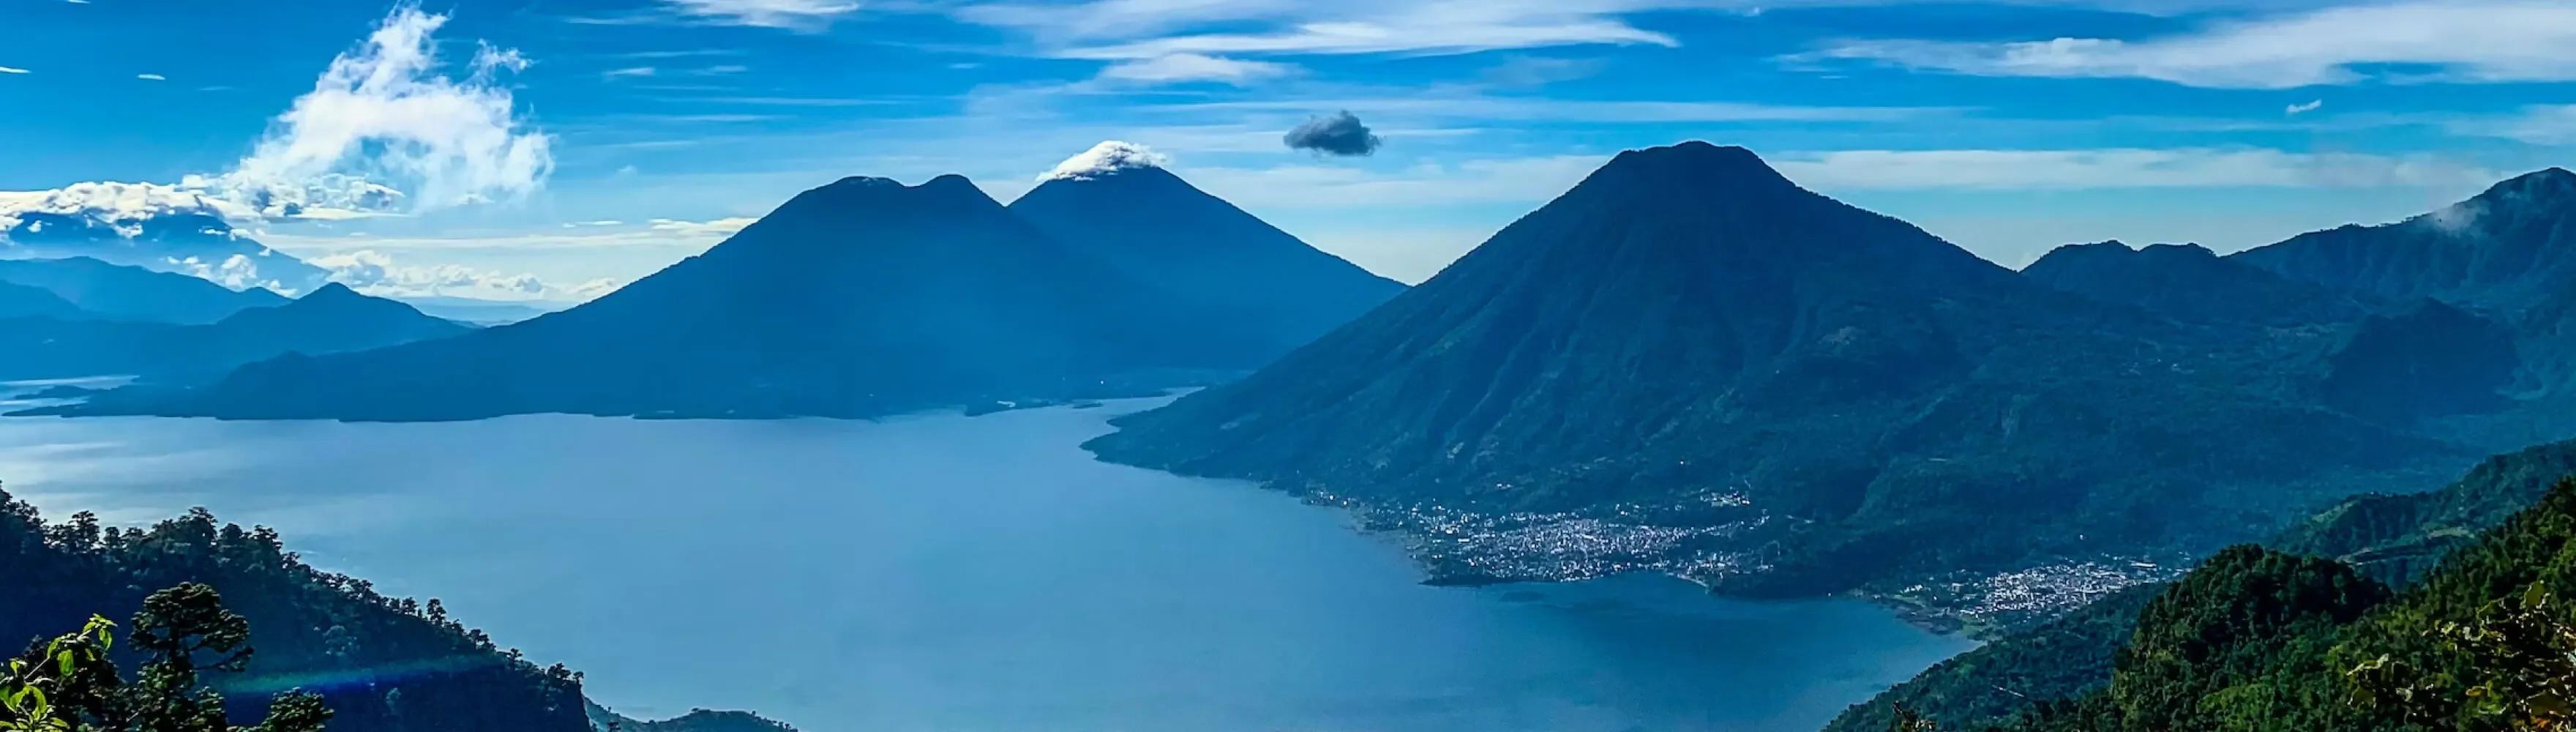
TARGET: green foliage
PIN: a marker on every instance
(376, 662)
(1991, 685)
(71, 684)
(2260, 640)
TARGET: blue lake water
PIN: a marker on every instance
(940, 572)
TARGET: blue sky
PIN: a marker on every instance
(549, 138)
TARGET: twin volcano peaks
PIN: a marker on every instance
(864, 297)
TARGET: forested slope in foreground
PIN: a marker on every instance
(376, 662)
(2258, 639)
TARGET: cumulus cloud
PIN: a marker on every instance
(385, 112)
(377, 273)
(2461, 40)
(1188, 67)
(1340, 133)
(2304, 108)
(383, 115)
(1107, 157)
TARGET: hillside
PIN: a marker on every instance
(1811, 396)
(2276, 651)
(1117, 204)
(861, 298)
(381, 664)
(2396, 539)
(2507, 248)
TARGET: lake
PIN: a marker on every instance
(939, 572)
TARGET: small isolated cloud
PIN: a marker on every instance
(631, 72)
(1188, 67)
(13, 70)
(1340, 133)
(2299, 109)
(151, 77)
(385, 112)
(1106, 157)
(796, 15)
(376, 273)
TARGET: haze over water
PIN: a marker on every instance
(940, 572)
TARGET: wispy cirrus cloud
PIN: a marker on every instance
(2116, 168)
(1217, 36)
(2541, 124)
(2470, 41)
(1188, 67)
(788, 14)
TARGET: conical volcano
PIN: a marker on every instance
(1690, 345)
(1117, 203)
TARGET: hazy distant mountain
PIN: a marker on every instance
(860, 298)
(1689, 339)
(22, 301)
(1115, 203)
(481, 312)
(122, 292)
(329, 320)
(2507, 248)
(187, 241)
(2188, 282)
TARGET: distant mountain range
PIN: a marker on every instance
(97, 289)
(331, 319)
(861, 298)
(178, 238)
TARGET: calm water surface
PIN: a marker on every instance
(951, 573)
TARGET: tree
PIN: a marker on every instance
(70, 684)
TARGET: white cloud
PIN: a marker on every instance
(383, 111)
(13, 70)
(709, 230)
(1108, 156)
(631, 72)
(2547, 124)
(376, 273)
(151, 77)
(2304, 108)
(1491, 108)
(118, 205)
(1145, 30)
(2463, 40)
(2120, 168)
(1187, 67)
(799, 15)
